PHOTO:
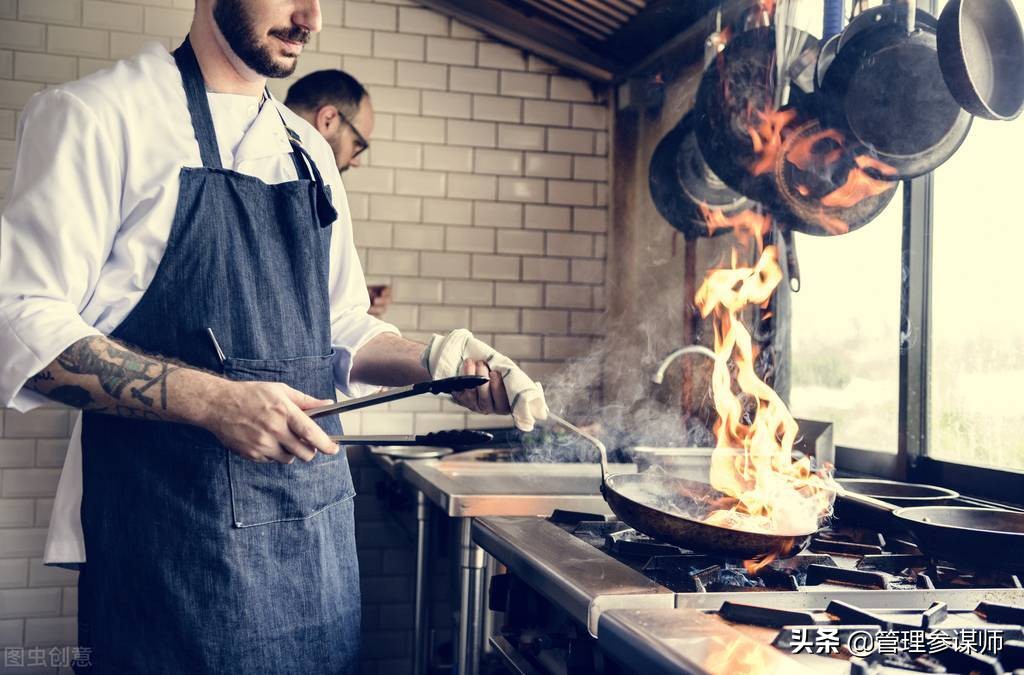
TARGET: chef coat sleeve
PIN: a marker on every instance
(351, 326)
(57, 228)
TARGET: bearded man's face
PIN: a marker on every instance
(264, 33)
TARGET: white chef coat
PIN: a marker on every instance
(89, 211)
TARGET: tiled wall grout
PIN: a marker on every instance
(483, 202)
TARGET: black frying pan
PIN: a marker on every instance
(981, 54)
(681, 183)
(632, 498)
(884, 88)
(734, 91)
(981, 536)
(656, 505)
(900, 494)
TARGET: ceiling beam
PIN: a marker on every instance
(534, 34)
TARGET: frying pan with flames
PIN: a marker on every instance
(657, 505)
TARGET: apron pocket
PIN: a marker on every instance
(271, 492)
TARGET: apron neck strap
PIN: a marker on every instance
(198, 105)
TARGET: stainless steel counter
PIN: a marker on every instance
(471, 489)
(652, 629)
(465, 490)
(685, 641)
(690, 642)
(574, 575)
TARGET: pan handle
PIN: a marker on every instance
(792, 264)
(587, 437)
(871, 503)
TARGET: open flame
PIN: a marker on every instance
(767, 138)
(823, 156)
(752, 461)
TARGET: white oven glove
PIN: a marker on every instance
(445, 354)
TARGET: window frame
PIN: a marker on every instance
(911, 462)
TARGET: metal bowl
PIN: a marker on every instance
(406, 452)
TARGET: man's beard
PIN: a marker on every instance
(236, 26)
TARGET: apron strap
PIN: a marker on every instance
(305, 168)
(198, 105)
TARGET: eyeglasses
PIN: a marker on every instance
(361, 143)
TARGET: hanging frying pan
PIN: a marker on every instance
(734, 94)
(891, 12)
(826, 55)
(885, 90)
(860, 22)
(986, 537)
(813, 196)
(981, 55)
(681, 183)
(827, 185)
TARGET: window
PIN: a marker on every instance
(976, 370)
(846, 334)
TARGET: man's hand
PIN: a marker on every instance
(448, 355)
(380, 298)
(264, 422)
(489, 398)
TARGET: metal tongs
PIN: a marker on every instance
(447, 439)
(444, 386)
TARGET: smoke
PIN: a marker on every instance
(610, 392)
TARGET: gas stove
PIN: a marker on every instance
(587, 593)
(845, 557)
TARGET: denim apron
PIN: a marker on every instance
(200, 561)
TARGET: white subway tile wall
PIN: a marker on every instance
(482, 202)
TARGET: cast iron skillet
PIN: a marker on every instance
(982, 536)
(681, 182)
(900, 494)
(981, 54)
(734, 90)
(636, 498)
(884, 88)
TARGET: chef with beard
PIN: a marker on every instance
(176, 260)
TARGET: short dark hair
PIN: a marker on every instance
(326, 87)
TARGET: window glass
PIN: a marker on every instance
(846, 333)
(976, 376)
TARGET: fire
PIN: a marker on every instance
(860, 184)
(749, 226)
(752, 461)
(736, 657)
(779, 138)
(767, 138)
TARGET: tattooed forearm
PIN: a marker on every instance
(99, 374)
(117, 368)
(42, 376)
